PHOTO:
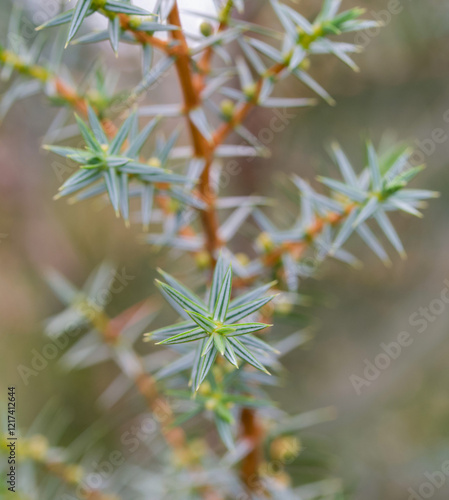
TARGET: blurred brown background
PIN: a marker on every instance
(397, 429)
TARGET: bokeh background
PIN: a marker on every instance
(397, 429)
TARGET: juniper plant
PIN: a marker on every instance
(221, 345)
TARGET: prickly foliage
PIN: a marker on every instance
(221, 356)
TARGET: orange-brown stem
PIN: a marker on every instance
(251, 432)
(110, 330)
(243, 110)
(142, 36)
(202, 149)
(69, 94)
(251, 428)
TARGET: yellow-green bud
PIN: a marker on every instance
(205, 388)
(73, 474)
(135, 21)
(37, 447)
(264, 242)
(243, 259)
(227, 108)
(305, 64)
(202, 259)
(285, 448)
(211, 404)
(154, 162)
(250, 92)
(206, 28)
(96, 99)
